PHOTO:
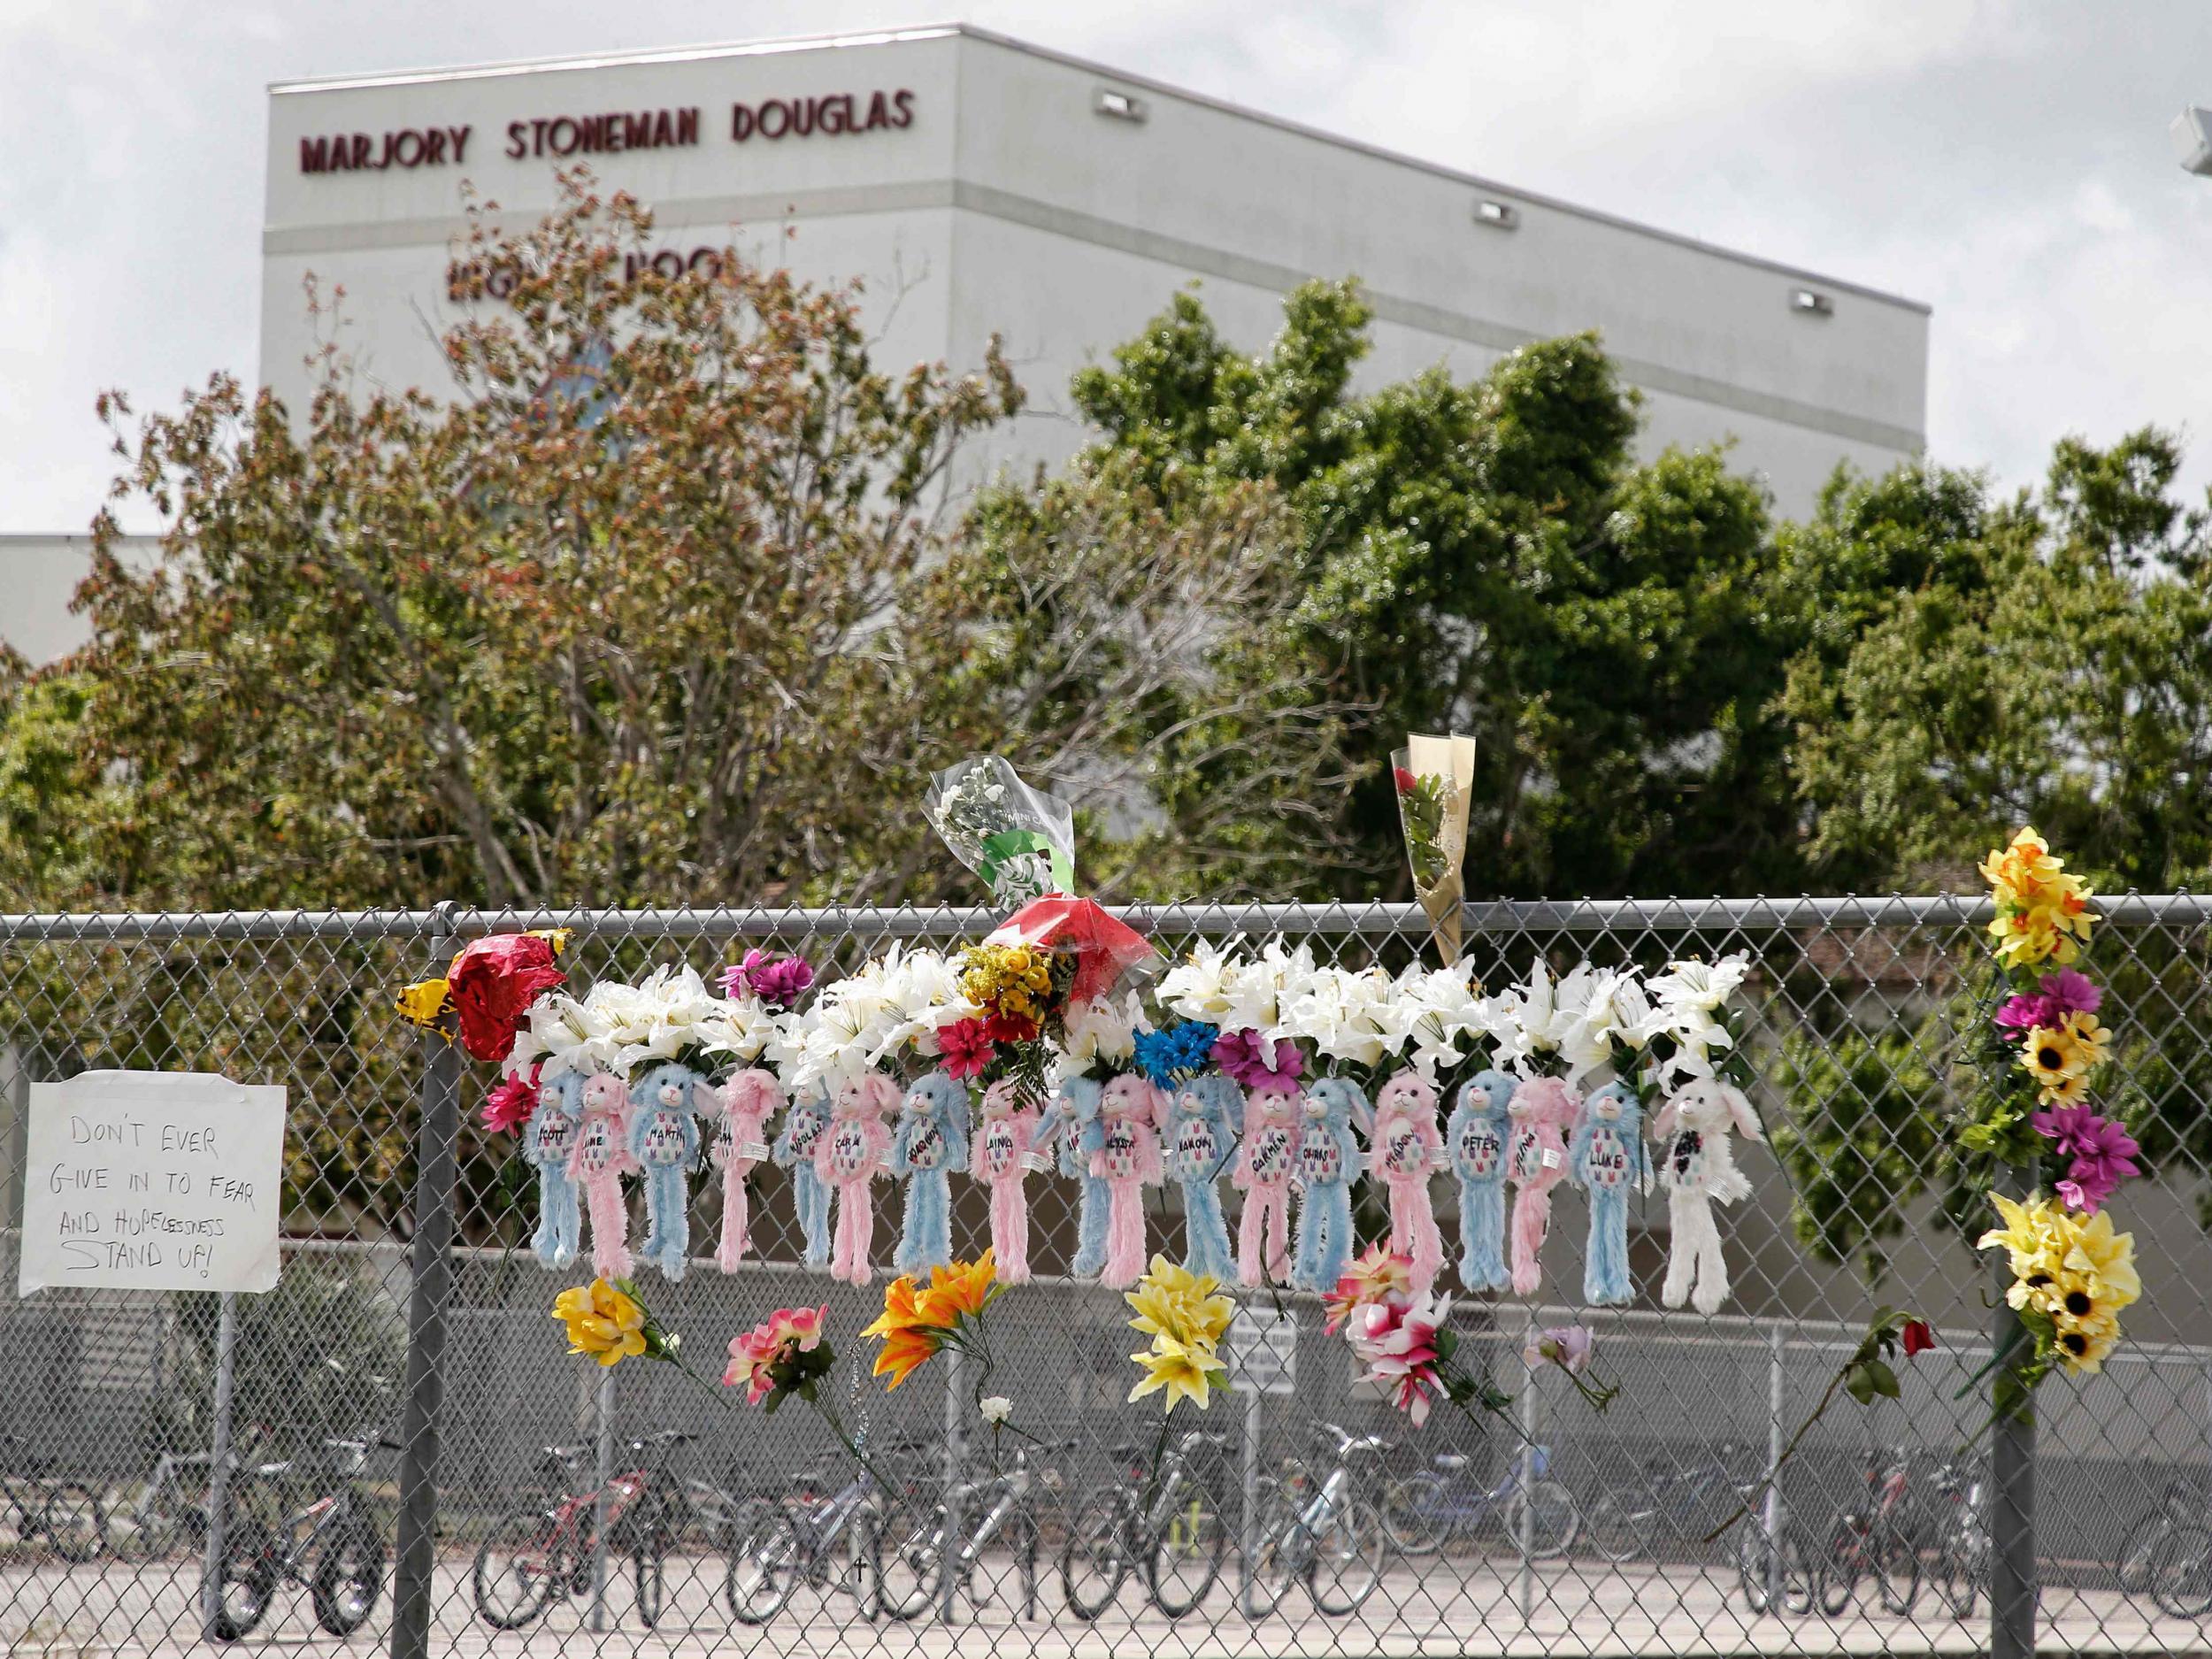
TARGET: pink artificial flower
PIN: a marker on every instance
(2057, 995)
(508, 1103)
(778, 981)
(1376, 1273)
(1254, 1062)
(755, 1356)
(965, 1047)
(2022, 1014)
(1565, 1346)
(1395, 1343)
(2103, 1153)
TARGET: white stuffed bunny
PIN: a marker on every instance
(1697, 1167)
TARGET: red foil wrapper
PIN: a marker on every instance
(492, 984)
(1105, 948)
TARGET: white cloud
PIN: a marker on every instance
(2007, 163)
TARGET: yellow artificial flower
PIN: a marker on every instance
(1186, 1371)
(2043, 913)
(602, 1321)
(1171, 1301)
(422, 1002)
(2034, 1243)
(2103, 1259)
(557, 937)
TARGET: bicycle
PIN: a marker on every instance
(332, 1545)
(1959, 1568)
(1326, 1537)
(911, 1568)
(1423, 1512)
(1166, 1523)
(2178, 1506)
(1880, 1542)
(550, 1545)
(828, 1543)
(144, 1521)
(65, 1513)
(1665, 1505)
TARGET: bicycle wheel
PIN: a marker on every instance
(1413, 1515)
(2181, 1571)
(1279, 1551)
(648, 1564)
(71, 1522)
(1839, 1568)
(908, 1547)
(1187, 1549)
(1897, 1570)
(1619, 1527)
(348, 1575)
(1095, 1559)
(1348, 1558)
(1553, 1519)
(1960, 1573)
(763, 1568)
(2131, 1562)
(248, 1575)
(1762, 1566)
(520, 1561)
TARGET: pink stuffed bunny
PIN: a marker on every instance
(851, 1154)
(998, 1157)
(1407, 1147)
(601, 1159)
(749, 1100)
(1543, 1110)
(1266, 1159)
(1127, 1160)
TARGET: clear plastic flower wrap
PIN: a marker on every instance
(1020, 840)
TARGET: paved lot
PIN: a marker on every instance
(1454, 1607)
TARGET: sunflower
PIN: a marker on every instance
(2059, 1059)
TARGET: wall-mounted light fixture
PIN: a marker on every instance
(1812, 302)
(1497, 215)
(1122, 106)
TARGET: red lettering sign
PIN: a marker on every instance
(406, 148)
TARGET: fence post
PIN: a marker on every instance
(1772, 1518)
(1525, 1534)
(2012, 1578)
(603, 1470)
(219, 1466)
(430, 1271)
(950, 1557)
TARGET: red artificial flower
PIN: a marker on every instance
(1009, 1028)
(493, 982)
(965, 1046)
(508, 1103)
(1406, 781)
(1918, 1337)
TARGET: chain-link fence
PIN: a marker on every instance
(405, 1446)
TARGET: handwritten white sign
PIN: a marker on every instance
(151, 1180)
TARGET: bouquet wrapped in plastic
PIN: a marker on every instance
(1435, 778)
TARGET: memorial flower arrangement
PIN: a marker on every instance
(889, 1012)
(1243, 999)
(1402, 1344)
(1434, 779)
(490, 989)
(2073, 1273)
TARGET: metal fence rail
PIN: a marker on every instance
(408, 1258)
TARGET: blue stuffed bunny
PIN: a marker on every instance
(1200, 1141)
(931, 1139)
(1606, 1159)
(1075, 1123)
(1328, 1158)
(665, 1105)
(793, 1150)
(1474, 1138)
(547, 1141)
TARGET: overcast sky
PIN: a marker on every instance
(2008, 163)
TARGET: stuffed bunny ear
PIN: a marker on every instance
(1739, 1108)
(881, 1092)
(752, 1090)
(1662, 1126)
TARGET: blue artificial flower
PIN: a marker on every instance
(1177, 1054)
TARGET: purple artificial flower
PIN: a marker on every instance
(2070, 993)
(2022, 1014)
(2102, 1153)
(1256, 1064)
(1565, 1346)
(778, 981)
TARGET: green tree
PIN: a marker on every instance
(1487, 556)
